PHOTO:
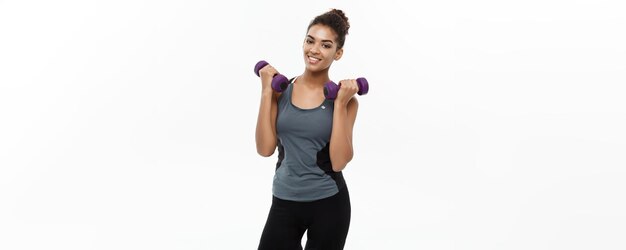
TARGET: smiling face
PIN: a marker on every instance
(320, 48)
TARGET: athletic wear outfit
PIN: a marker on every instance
(307, 193)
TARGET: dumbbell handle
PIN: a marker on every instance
(279, 82)
(331, 89)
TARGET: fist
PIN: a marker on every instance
(347, 89)
(267, 72)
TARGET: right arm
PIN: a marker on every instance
(266, 139)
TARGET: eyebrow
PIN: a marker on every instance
(309, 36)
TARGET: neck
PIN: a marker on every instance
(315, 78)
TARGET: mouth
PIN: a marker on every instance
(313, 60)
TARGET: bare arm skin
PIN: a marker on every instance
(265, 135)
(344, 116)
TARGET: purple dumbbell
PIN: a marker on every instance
(331, 89)
(279, 82)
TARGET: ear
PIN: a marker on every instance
(338, 54)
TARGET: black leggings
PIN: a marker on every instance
(326, 222)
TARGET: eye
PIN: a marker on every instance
(309, 41)
(327, 46)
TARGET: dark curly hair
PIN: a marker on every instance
(336, 20)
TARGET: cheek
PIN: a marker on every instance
(331, 54)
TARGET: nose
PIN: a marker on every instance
(315, 49)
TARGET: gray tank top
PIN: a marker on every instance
(303, 171)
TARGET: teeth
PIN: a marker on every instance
(312, 58)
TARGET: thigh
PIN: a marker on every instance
(329, 228)
(284, 227)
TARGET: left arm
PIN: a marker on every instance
(344, 115)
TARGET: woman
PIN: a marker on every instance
(314, 140)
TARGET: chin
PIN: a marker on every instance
(310, 67)
(315, 68)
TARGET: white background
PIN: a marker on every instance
(489, 124)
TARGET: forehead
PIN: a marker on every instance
(322, 32)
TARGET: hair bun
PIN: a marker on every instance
(343, 16)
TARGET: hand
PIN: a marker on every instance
(267, 73)
(347, 89)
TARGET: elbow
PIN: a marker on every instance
(265, 152)
(338, 168)
(265, 149)
(340, 157)
(340, 165)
